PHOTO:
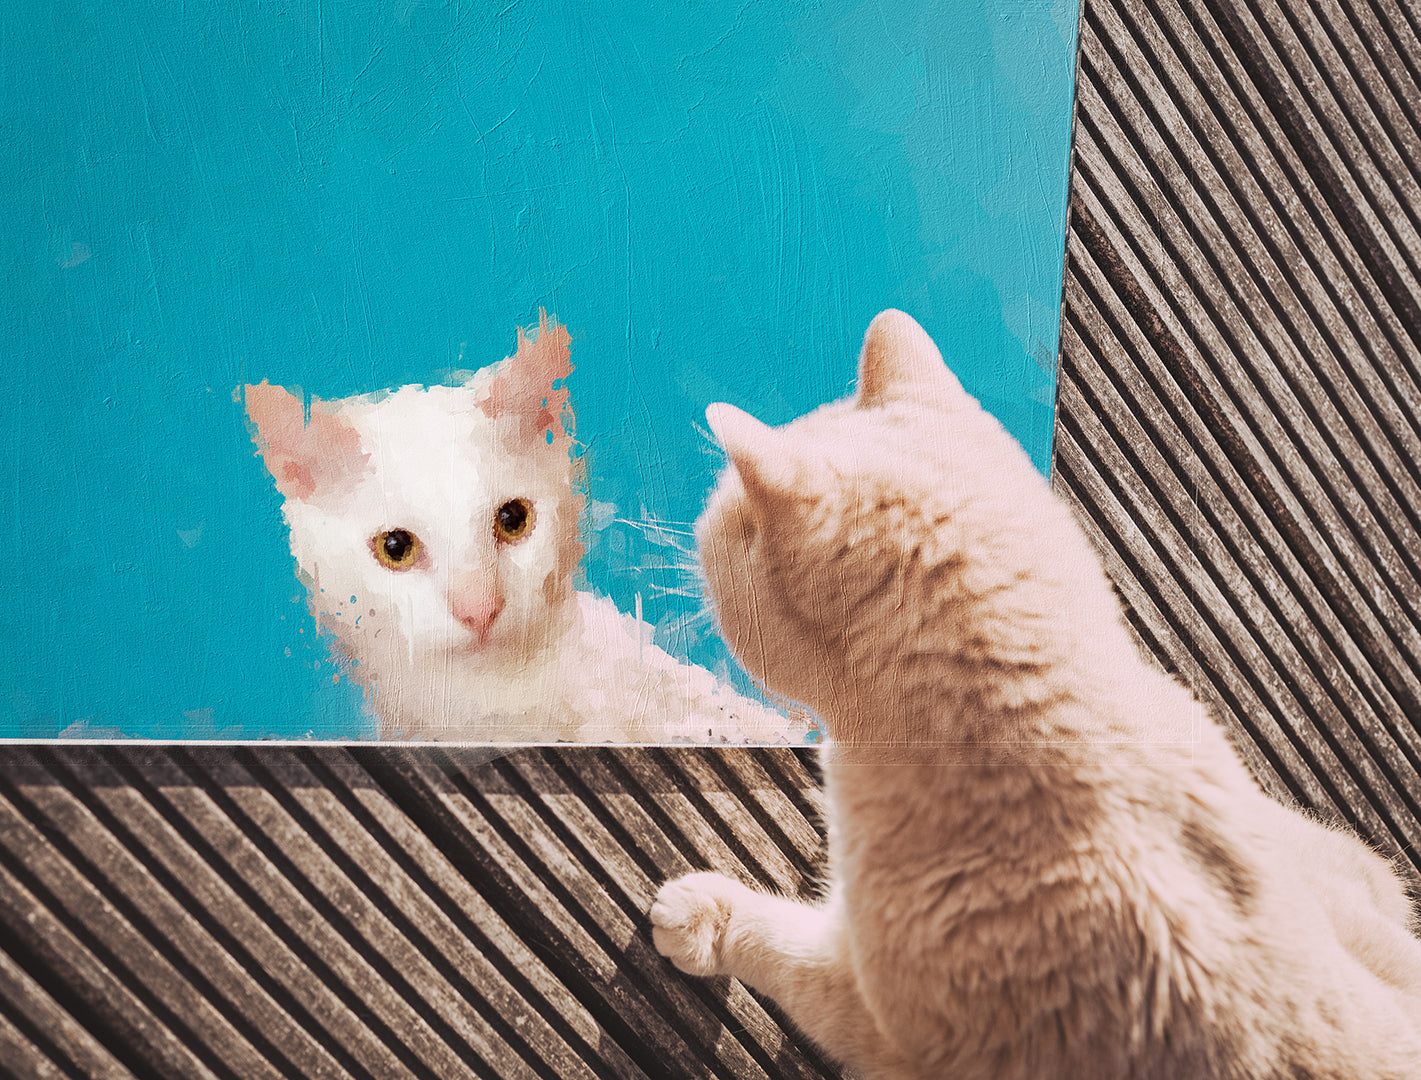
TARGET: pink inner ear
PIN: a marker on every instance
(305, 458)
(524, 388)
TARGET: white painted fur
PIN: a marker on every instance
(1045, 861)
(483, 639)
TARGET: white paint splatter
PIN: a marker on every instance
(78, 253)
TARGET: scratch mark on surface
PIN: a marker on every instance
(361, 73)
(143, 85)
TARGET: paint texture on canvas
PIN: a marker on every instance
(344, 198)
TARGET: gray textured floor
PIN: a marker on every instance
(1241, 381)
(381, 913)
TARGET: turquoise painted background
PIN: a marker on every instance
(348, 194)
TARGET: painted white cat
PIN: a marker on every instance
(1045, 860)
(436, 530)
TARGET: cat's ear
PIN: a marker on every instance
(899, 360)
(307, 458)
(525, 389)
(759, 453)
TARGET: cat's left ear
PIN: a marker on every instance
(761, 454)
(309, 456)
(525, 387)
(899, 360)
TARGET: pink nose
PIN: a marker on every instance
(476, 608)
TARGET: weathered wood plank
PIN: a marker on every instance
(76, 938)
(506, 822)
(332, 912)
(195, 835)
(1273, 625)
(1238, 420)
(496, 963)
(41, 1038)
(216, 972)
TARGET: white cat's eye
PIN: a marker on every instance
(513, 520)
(396, 549)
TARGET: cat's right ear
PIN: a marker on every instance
(307, 458)
(760, 453)
(528, 387)
(900, 360)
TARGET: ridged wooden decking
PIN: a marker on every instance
(381, 913)
(1240, 379)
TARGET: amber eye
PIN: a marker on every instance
(513, 520)
(397, 549)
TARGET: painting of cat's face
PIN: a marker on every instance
(434, 527)
(451, 541)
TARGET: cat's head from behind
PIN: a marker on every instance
(435, 527)
(864, 552)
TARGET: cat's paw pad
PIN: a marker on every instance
(689, 918)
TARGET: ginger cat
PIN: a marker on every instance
(1045, 861)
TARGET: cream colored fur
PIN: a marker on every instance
(1045, 860)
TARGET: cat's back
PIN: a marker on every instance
(1288, 945)
(1175, 923)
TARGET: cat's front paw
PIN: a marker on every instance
(689, 918)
